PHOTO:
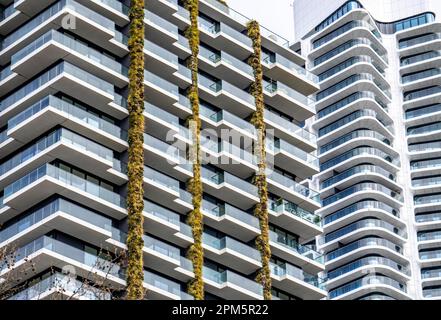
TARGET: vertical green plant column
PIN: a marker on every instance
(135, 170)
(261, 209)
(195, 252)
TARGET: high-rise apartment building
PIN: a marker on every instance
(63, 153)
(379, 143)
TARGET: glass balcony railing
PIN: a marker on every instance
(61, 283)
(366, 242)
(277, 58)
(348, 63)
(216, 28)
(163, 147)
(427, 110)
(431, 273)
(351, 118)
(161, 179)
(232, 245)
(366, 281)
(221, 210)
(420, 75)
(152, 110)
(362, 224)
(419, 40)
(304, 250)
(276, 87)
(346, 46)
(53, 11)
(283, 146)
(219, 56)
(161, 213)
(3, 136)
(348, 100)
(161, 52)
(287, 206)
(432, 254)
(429, 235)
(57, 205)
(377, 297)
(366, 168)
(118, 6)
(72, 111)
(286, 269)
(362, 205)
(294, 186)
(68, 179)
(432, 293)
(56, 71)
(419, 58)
(7, 12)
(6, 72)
(341, 30)
(426, 146)
(364, 186)
(408, 96)
(431, 199)
(219, 85)
(59, 135)
(358, 152)
(429, 217)
(426, 182)
(74, 45)
(362, 133)
(150, 17)
(290, 126)
(97, 263)
(424, 129)
(158, 81)
(366, 262)
(164, 284)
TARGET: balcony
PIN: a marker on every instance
(48, 180)
(57, 286)
(231, 98)
(54, 46)
(288, 100)
(64, 77)
(231, 220)
(293, 191)
(278, 67)
(61, 215)
(432, 236)
(406, 45)
(434, 293)
(363, 247)
(420, 79)
(111, 9)
(362, 190)
(357, 155)
(290, 131)
(89, 25)
(359, 210)
(351, 270)
(160, 61)
(295, 219)
(300, 255)
(59, 144)
(220, 35)
(223, 65)
(362, 228)
(430, 110)
(160, 29)
(293, 159)
(421, 97)
(292, 279)
(358, 174)
(432, 184)
(159, 91)
(51, 111)
(46, 253)
(369, 284)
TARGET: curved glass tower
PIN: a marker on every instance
(379, 141)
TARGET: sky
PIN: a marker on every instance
(276, 15)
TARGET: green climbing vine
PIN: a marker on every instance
(195, 252)
(261, 209)
(135, 169)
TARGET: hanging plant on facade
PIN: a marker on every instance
(195, 252)
(261, 209)
(135, 169)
